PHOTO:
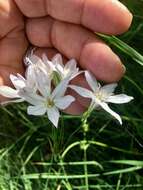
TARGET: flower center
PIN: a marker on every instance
(100, 95)
(50, 103)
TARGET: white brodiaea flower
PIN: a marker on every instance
(39, 65)
(48, 101)
(101, 96)
(39, 69)
(18, 82)
(54, 69)
(68, 70)
(35, 62)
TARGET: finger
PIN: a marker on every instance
(106, 16)
(76, 42)
(12, 50)
(76, 108)
(10, 18)
(13, 42)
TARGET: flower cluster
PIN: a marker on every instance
(45, 85)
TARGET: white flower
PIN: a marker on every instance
(18, 82)
(55, 69)
(43, 63)
(38, 68)
(48, 101)
(101, 96)
(69, 70)
(27, 59)
(37, 64)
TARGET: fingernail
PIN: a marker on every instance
(119, 4)
(123, 67)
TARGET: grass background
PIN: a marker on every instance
(98, 155)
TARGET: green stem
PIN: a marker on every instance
(86, 169)
(85, 146)
(87, 114)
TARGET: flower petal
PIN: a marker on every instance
(60, 69)
(43, 84)
(8, 92)
(71, 65)
(45, 58)
(53, 115)
(75, 74)
(12, 101)
(18, 82)
(60, 89)
(20, 77)
(57, 60)
(36, 110)
(71, 70)
(114, 114)
(91, 80)
(35, 59)
(109, 88)
(64, 102)
(50, 66)
(31, 98)
(119, 99)
(29, 53)
(37, 65)
(30, 77)
(29, 72)
(82, 91)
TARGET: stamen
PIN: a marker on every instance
(50, 103)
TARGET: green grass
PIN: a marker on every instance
(100, 155)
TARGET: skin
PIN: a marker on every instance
(68, 27)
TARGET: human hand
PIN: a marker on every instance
(68, 26)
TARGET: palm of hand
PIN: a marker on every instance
(70, 39)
